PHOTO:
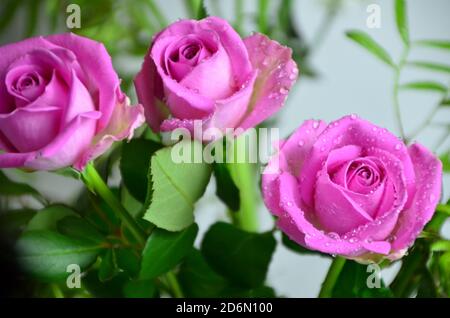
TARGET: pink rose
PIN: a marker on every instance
(60, 103)
(351, 188)
(202, 70)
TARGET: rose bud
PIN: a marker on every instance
(60, 103)
(351, 188)
(203, 70)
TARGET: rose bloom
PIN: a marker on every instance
(351, 188)
(60, 103)
(203, 70)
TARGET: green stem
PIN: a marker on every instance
(442, 140)
(325, 24)
(95, 183)
(397, 111)
(243, 174)
(239, 15)
(57, 292)
(332, 277)
(159, 16)
(263, 11)
(425, 123)
(429, 118)
(405, 282)
(174, 285)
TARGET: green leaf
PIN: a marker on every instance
(196, 9)
(32, 10)
(295, 247)
(226, 189)
(431, 66)
(176, 187)
(445, 158)
(12, 188)
(13, 222)
(440, 246)
(46, 254)
(240, 256)
(439, 44)
(164, 250)
(140, 289)
(69, 172)
(197, 279)
(128, 260)
(413, 265)
(201, 10)
(427, 287)
(369, 44)
(258, 292)
(48, 218)
(353, 283)
(425, 85)
(444, 264)
(109, 289)
(401, 20)
(76, 227)
(108, 267)
(444, 208)
(9, 9)
(134, 165)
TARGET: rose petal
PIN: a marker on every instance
(230, 111)
(125, 119)
(149, 90)
(68, 146)
(277, 73)
(79, 101)
(184, 103)
(311, 237)
(289, 158)
(29, 129)
(351, 130)
(335, 209)
(213, 77)
(97, 65)
(428, 171)
(230, 39)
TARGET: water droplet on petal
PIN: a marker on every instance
(301, 143)
(283, 91)
(432, 198)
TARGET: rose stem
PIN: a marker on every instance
(397, 72)
(244, 175)
(95, 183)
(174, 285)
(332, 277)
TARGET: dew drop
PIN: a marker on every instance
(432, 198)
(301, 143)
(283, 91)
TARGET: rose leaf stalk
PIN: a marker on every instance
(95, 183)
(332, 276)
